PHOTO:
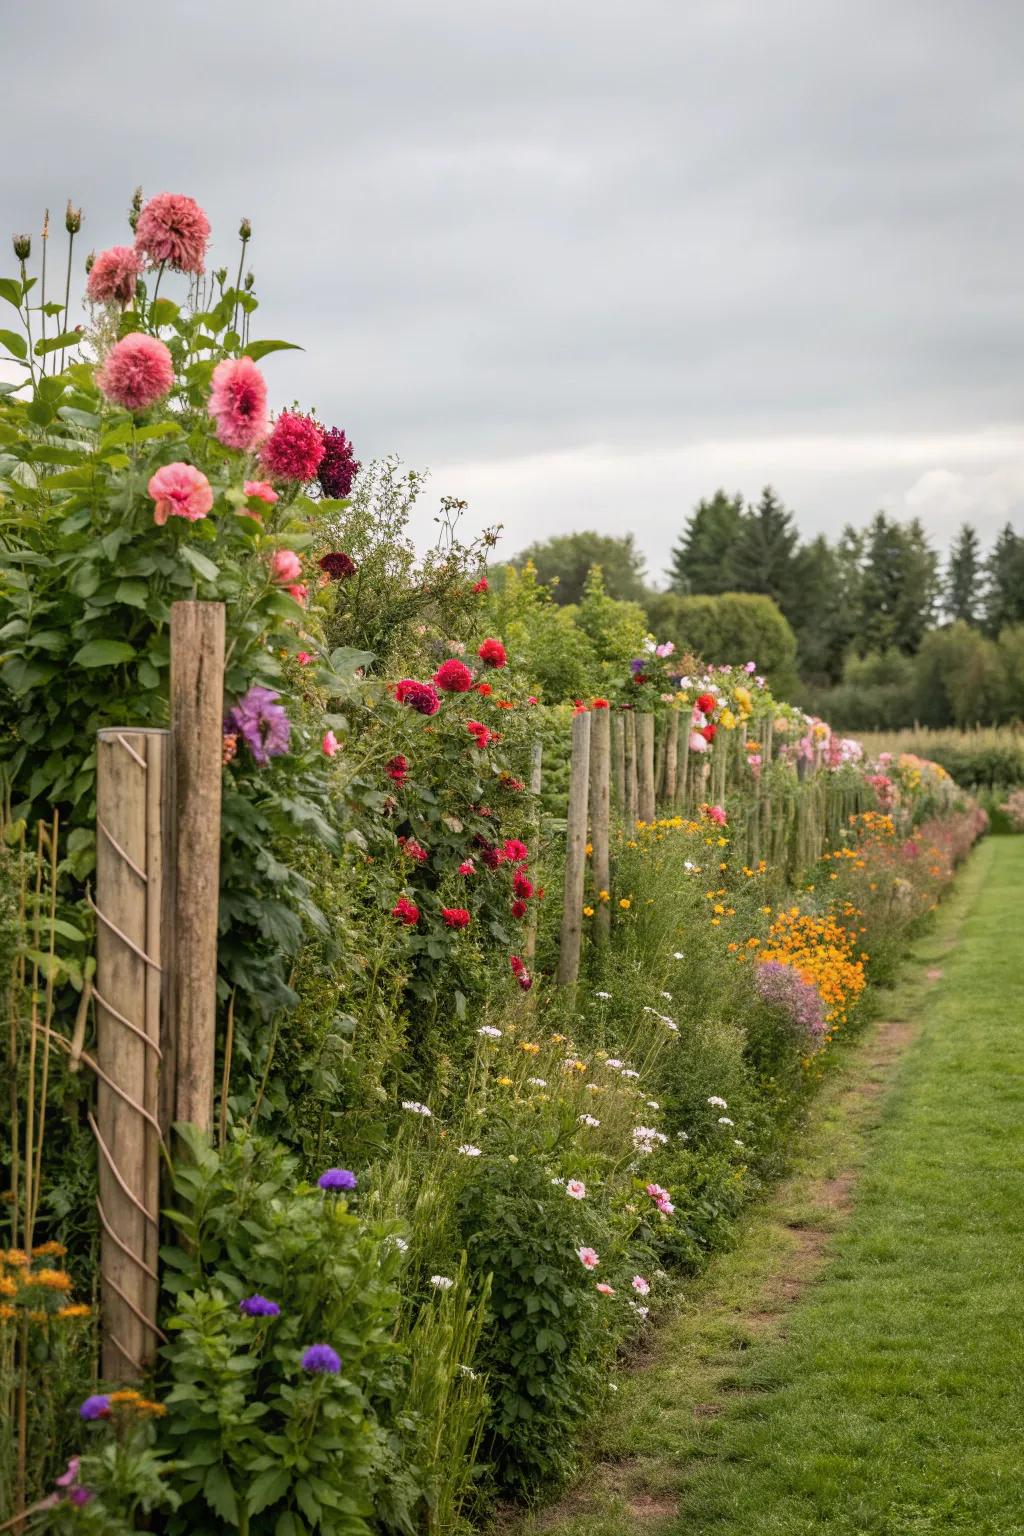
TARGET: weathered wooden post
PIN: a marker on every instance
(619, 763)
(632, 780)
(536, 783)
(131, 799)
(197, 745)
(575, 853)
(672, 760)
(645, 768)
(683, 790)
(600, 819)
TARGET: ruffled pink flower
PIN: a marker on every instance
(641, 1286)
(329, 744)
(238, 403)
(260, 490)
(697, 742)
(605, 1290)
(137, 372)
(285, 566)
(114, 276)
(180, 490)
(304, 658)
(173, 229)
(588, 1258)
(294, 449)
(299, 592)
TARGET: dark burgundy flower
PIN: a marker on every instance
(339, 466)
(397, 767)
(338, 565)
(419, 696)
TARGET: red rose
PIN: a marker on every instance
(492, 654)
(454, 676)
(707, 703)
(406, 912)
(709, 732)
(455, 917)
(481, 585)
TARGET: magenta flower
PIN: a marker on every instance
(330, 744)
(339, 466)
(321, 1360)
(238, 403)
(261, 490)
(173, 229)
(137, 372)
(454, 676)
(421, 697)
(262, 724)
(294, 449)
(180, 490)
(113, 276)
(588, 1258)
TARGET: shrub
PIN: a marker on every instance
(731, 628)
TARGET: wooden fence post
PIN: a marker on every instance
(132, 772)
(672, 760)
(575, 853)
(536, 783)
(619, 763)
(632, 781)
(197, 745)
(600, 819)
(645, 770)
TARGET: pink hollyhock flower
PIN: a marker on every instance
(238, 403)
(455, 917)
(515, 850)
(605, 1290)
(421, 697)
(173, 229)
(665, 1207)
(454, 677)
(294, 449)
(641, 1286)
(588, 1258)
(260, 490)
(180, 490)
(406, 911)
(113, 276)
(576, 1189)
(285, 566)
(329, 743)
(137, 372)
(492, 654)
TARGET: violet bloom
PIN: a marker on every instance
(784, 988)
(321, 1360)
(96, 1407)
(637, 665)
(259, 1306)
(79, 1495)
(337, 1178)
(262, 724)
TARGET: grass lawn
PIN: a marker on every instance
(855, 1365)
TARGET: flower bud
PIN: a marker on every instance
(22, 246)
(221, 275)
(135, 208)
(245, 230)
(90, 262)
(249, 280)
(72, 219)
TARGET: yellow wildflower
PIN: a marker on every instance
(625, 903)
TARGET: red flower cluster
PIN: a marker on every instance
(508, 782)
(453, 676)
(515, 850)
(481, 734)
(412, 849)
(707, 703)
(522, 885)
(455, 917)
(398, 768)
(406, 911)
(599, 704)
(467, 867)
(481, 585)
(294, 449)
(520, 972)
(421, 697)
(492, 654)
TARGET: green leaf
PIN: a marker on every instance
(346, 659)
(267, 1489)
(103, 653)
(158, 429)
(134, 593)
(258, 349)
(14, 343)
(206, 568)
(164, 312)
(220, 1495)
(10, 289)
(55, 343)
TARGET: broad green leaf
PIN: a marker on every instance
(158, 429)
(220, 1495)
(134, 593)
(205, 568)
(258, 349)
(10, 289)
(14, 343)
(164, 312)
(103, 653)
(55, 343)
(346, 659)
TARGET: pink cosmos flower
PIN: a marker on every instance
(576, 1189)
(329, 743)
(605, 1290)
(285, 566)
(294, 449)
(641, 1286)
(180, 490)
(173, 229)
(238, 403)
(260, 490)
(588, 1258)
(114, 276)
(137, 372)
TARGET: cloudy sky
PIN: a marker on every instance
(584, 260)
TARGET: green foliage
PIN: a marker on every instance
(732, 628)
(703, 559)
(564, 563)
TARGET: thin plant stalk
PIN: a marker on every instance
(42, 292)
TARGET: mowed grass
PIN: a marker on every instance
(867, 1379)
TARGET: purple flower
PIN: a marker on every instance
(637, 665)
(79, 1495)
(97, 1407)
(321, 1359)
(262, 723)
(259, 1306)
(339, 466)
(337, 1178)
(70, 1477)
(782, 987)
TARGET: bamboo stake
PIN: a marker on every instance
(131, 792)
(645, 770)
(600, 820)
(197, 704)
(575, 854)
